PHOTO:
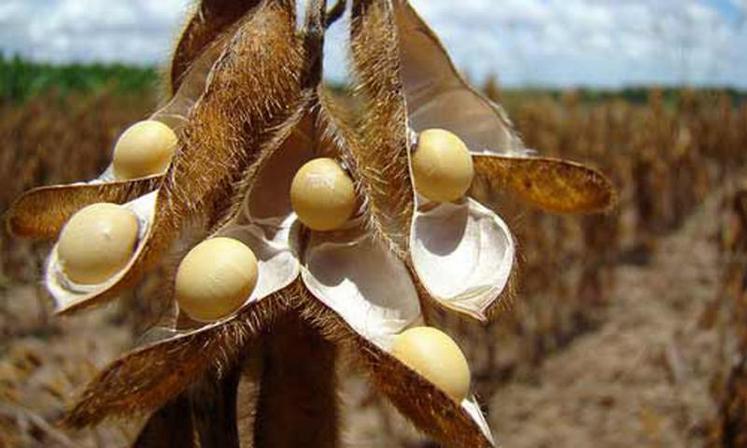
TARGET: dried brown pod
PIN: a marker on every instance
(148, 377)
(361, 309)
(460, 253)
(388, 141)
(428, 407)
(136, 383)
(250, 91)
(41, 212)
(555, 185)
(264, 222)
(434, 90)
(208, 20)
(382, 159)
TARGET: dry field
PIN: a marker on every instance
(625, 331)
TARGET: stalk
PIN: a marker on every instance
(297, 402)
(214, 410)
(203, 415)
(169, 426)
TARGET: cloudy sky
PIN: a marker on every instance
(606, 43)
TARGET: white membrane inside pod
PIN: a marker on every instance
(67, 293)
(463, 254)
(470, 124)
(470, 405)
(266, 222)
(363, 282)
(271, 196)
(274, 243)
(434, 90)
(174, 113)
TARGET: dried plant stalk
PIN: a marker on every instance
(214, 408)
(203, 415)
(159, 431)
(297, 388)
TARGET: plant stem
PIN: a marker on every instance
(297, 402)
(169, 426)
(204, 415)
(214, 410)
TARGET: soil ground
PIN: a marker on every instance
(643, 377)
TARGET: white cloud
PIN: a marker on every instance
(595, 42)
(542, 42)
(135, 31)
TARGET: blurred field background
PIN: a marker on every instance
(628, 329)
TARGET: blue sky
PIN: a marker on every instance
(602, 43)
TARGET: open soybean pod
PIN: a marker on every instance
(382, 164)
(460, 253)
(248, 91)
(429, 407)
(41, 212)
(259, 215)
(438, 97)
(264, 222)
(357, 284)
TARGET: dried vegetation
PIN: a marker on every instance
(666, 158)
(636, 143)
